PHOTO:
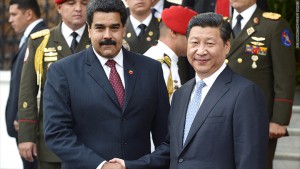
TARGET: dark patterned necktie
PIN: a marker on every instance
(116, 82)
(74, 42)
(237, 28)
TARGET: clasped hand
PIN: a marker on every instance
(114, 163)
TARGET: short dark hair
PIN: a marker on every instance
(106, 6)
(27, 4)
(211, 20)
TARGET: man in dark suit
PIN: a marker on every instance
(142, 28)
(46, 47)
(104, 101)
(263, 51)
(24, 16)
(202, 6)
(217, 120)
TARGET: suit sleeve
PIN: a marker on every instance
(250, 129)
(159, 159)
(58, 124)
(283, 60)
(159, 124)
(28, 113)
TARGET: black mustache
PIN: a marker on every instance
(107, 42)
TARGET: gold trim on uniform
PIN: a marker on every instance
(150, 33)
(258, 38)
(239, 60)
(272, 16)
(50, 59)
(50, 54)
(87, 46)
(257, 43)
(128, 35)
(25, 105)
(39, 34)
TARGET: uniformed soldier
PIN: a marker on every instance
(142, 29)
(262, 50)
(44, 48)
(172, 44)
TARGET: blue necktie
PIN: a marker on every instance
(193, 109)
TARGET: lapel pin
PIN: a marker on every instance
(256, 20)
(130, 72)
(250, 30)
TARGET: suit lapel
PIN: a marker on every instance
(215, 93)
(96, 71)
(130, 75)
(246, 33)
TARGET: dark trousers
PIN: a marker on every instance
(49, 165)
(27, 164)
(271, 153)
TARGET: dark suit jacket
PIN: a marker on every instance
(149, 38)
(31, 121)
(202, 6)
(230, 130)
(16, 70)
(84, 124)
(275, 71)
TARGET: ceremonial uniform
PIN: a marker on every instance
(169, 60)
(264, 53)
(45, 47)
(148, 39)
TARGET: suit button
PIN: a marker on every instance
(180, 160)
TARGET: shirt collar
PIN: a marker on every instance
(159, 6)
(66, 31)
(168, 51)
(136, 23)
(31, 26)
(246, 14)
(209, 81)
(118, 58)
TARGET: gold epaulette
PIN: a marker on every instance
(272, 16)
(158, 19)
(40, 34)
(161, 60)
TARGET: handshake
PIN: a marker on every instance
(114, 163)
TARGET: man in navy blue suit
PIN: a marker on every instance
(218, 119)
(24, 17)
(104, 101)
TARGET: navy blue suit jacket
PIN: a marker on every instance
(16, 71)
(83, 122)
(230, 130)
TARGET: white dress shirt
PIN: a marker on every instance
(209, 81)
(135, 23)
(119, 65)
(66, 32)
(246, 14)
(159, 6)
